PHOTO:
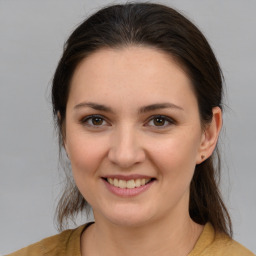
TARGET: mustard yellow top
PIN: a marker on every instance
(67, 243)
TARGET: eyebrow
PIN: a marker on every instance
(94, 106)
(142, 110)
(159, 106)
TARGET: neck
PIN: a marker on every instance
(172, 237)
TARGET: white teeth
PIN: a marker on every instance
(128, 184)
(137, 183)
(116, 182)
(122, 184)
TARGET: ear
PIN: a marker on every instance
(58, 115)
(210, 136)
(62, 132)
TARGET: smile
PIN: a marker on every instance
(132, 183)
(128, 186)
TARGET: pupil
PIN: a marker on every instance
(159, 121)
(97, 121)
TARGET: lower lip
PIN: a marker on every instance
(127, 192)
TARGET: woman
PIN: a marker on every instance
(137, 98)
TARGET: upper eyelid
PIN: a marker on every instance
(86, 118)
(91, 116)
(167, 118)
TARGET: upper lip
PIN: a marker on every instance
(127, 177)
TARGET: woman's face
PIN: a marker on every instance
(132, 119)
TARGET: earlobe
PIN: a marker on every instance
(65, 147)
(59, 116)
(210, 136)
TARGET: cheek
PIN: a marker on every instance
(176, 155)
(85, 153)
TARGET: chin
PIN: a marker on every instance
(127, 217)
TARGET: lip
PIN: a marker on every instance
(127, 177)
(127, 192)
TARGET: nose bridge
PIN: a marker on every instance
(126, 149)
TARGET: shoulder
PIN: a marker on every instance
(61, 244)
(211, 243)
(227, 246)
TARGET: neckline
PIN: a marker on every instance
(204, 240)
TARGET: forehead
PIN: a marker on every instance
(140, 73)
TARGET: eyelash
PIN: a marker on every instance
(85, 121)
(168, 120)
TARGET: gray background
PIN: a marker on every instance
(32, 34)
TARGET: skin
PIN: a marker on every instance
(128, 141)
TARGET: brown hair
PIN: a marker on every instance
(165, 29)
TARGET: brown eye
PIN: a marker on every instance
(159, 121)
(97, 121)
(94, 121)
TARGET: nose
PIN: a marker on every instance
(125, 148)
